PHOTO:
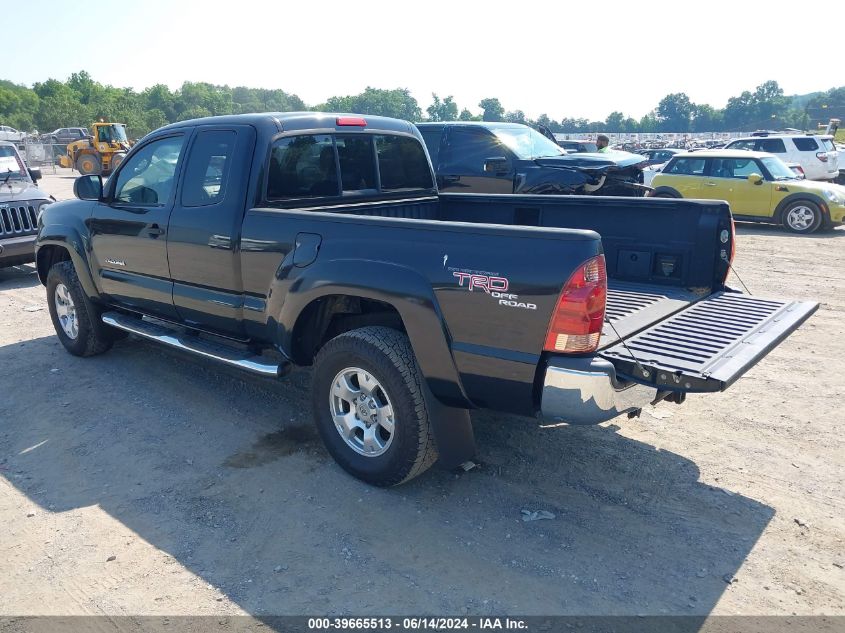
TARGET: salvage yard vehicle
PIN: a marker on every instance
(474, 157)
(100, 153)
(266, 241)
(759, 187)
(8, 133)
(21, 203)
(816, 153)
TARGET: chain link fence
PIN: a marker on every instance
(43, 154)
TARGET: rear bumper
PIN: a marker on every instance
(586, 391)
(17, 250)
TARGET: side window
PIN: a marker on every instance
(686, 167)
(357, 162)
(402, 164)
(745, 144)
(469, 148)
(739, 168)
(302, 167)
(432, 142)
(805, 144)
(207, 169)
(147, 177)
(771, 145)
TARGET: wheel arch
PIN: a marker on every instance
(64, 246)
(798, 197)
(665, 192)
(393, 295)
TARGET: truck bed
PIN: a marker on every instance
(632, 307)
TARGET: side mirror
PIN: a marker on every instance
(88, 187)
(755, 179)
(35, 174)
(498, 164)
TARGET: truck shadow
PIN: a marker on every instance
(226, 475)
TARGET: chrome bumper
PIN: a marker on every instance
(585, 391)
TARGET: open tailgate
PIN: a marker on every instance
(709, 345)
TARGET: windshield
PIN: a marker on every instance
(527, 143)
(111, 133)
(778, 169)
(11, 166)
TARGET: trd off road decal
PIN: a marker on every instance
(493, 285)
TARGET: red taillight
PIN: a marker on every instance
(798, 169)
(822, 156)
(354, 121)
(577, 321)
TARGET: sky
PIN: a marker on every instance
(565, 58)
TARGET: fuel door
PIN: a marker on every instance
(306, 249)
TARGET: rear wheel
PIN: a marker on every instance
(369, 407)
(88, 165)
(802, 216)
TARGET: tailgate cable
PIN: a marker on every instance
(646, 373)
(733, 270)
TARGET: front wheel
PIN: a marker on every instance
(369, 407)
(802, 216)
(74, 317)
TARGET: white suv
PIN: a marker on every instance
(816, 153)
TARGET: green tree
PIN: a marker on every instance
(492, 109)
(445, 110)
(674, 112)
(466, 115)
(614, 122)
(396, 103)
(515, 116)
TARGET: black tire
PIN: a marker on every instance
(802, 217)
(93, 336)
(387, 355)
(663, 194)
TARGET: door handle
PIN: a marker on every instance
(450, 179)
(709, 184)
(155, 230)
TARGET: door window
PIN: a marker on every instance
(207, 169)
(432, 137)
(686, 167)
(744, 144)
(469, 149)
(805, 144)
(147, 177)
(771, 145)
(739, 168)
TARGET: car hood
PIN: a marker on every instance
(812, 185)
(588, 160)
(18, 190)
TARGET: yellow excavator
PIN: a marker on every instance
(99, 153)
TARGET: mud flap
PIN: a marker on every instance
(452, 429)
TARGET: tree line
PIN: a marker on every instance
(80, 100)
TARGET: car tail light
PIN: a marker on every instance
(577, 320)
(822, 156)
(354, 121)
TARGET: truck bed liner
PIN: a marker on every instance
(632, 307)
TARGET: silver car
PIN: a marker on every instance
(11, 134)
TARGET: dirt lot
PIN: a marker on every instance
(146, 482)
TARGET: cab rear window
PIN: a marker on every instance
(328, 165)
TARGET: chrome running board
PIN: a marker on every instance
(228, 355)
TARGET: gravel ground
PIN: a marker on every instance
(146, 482)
